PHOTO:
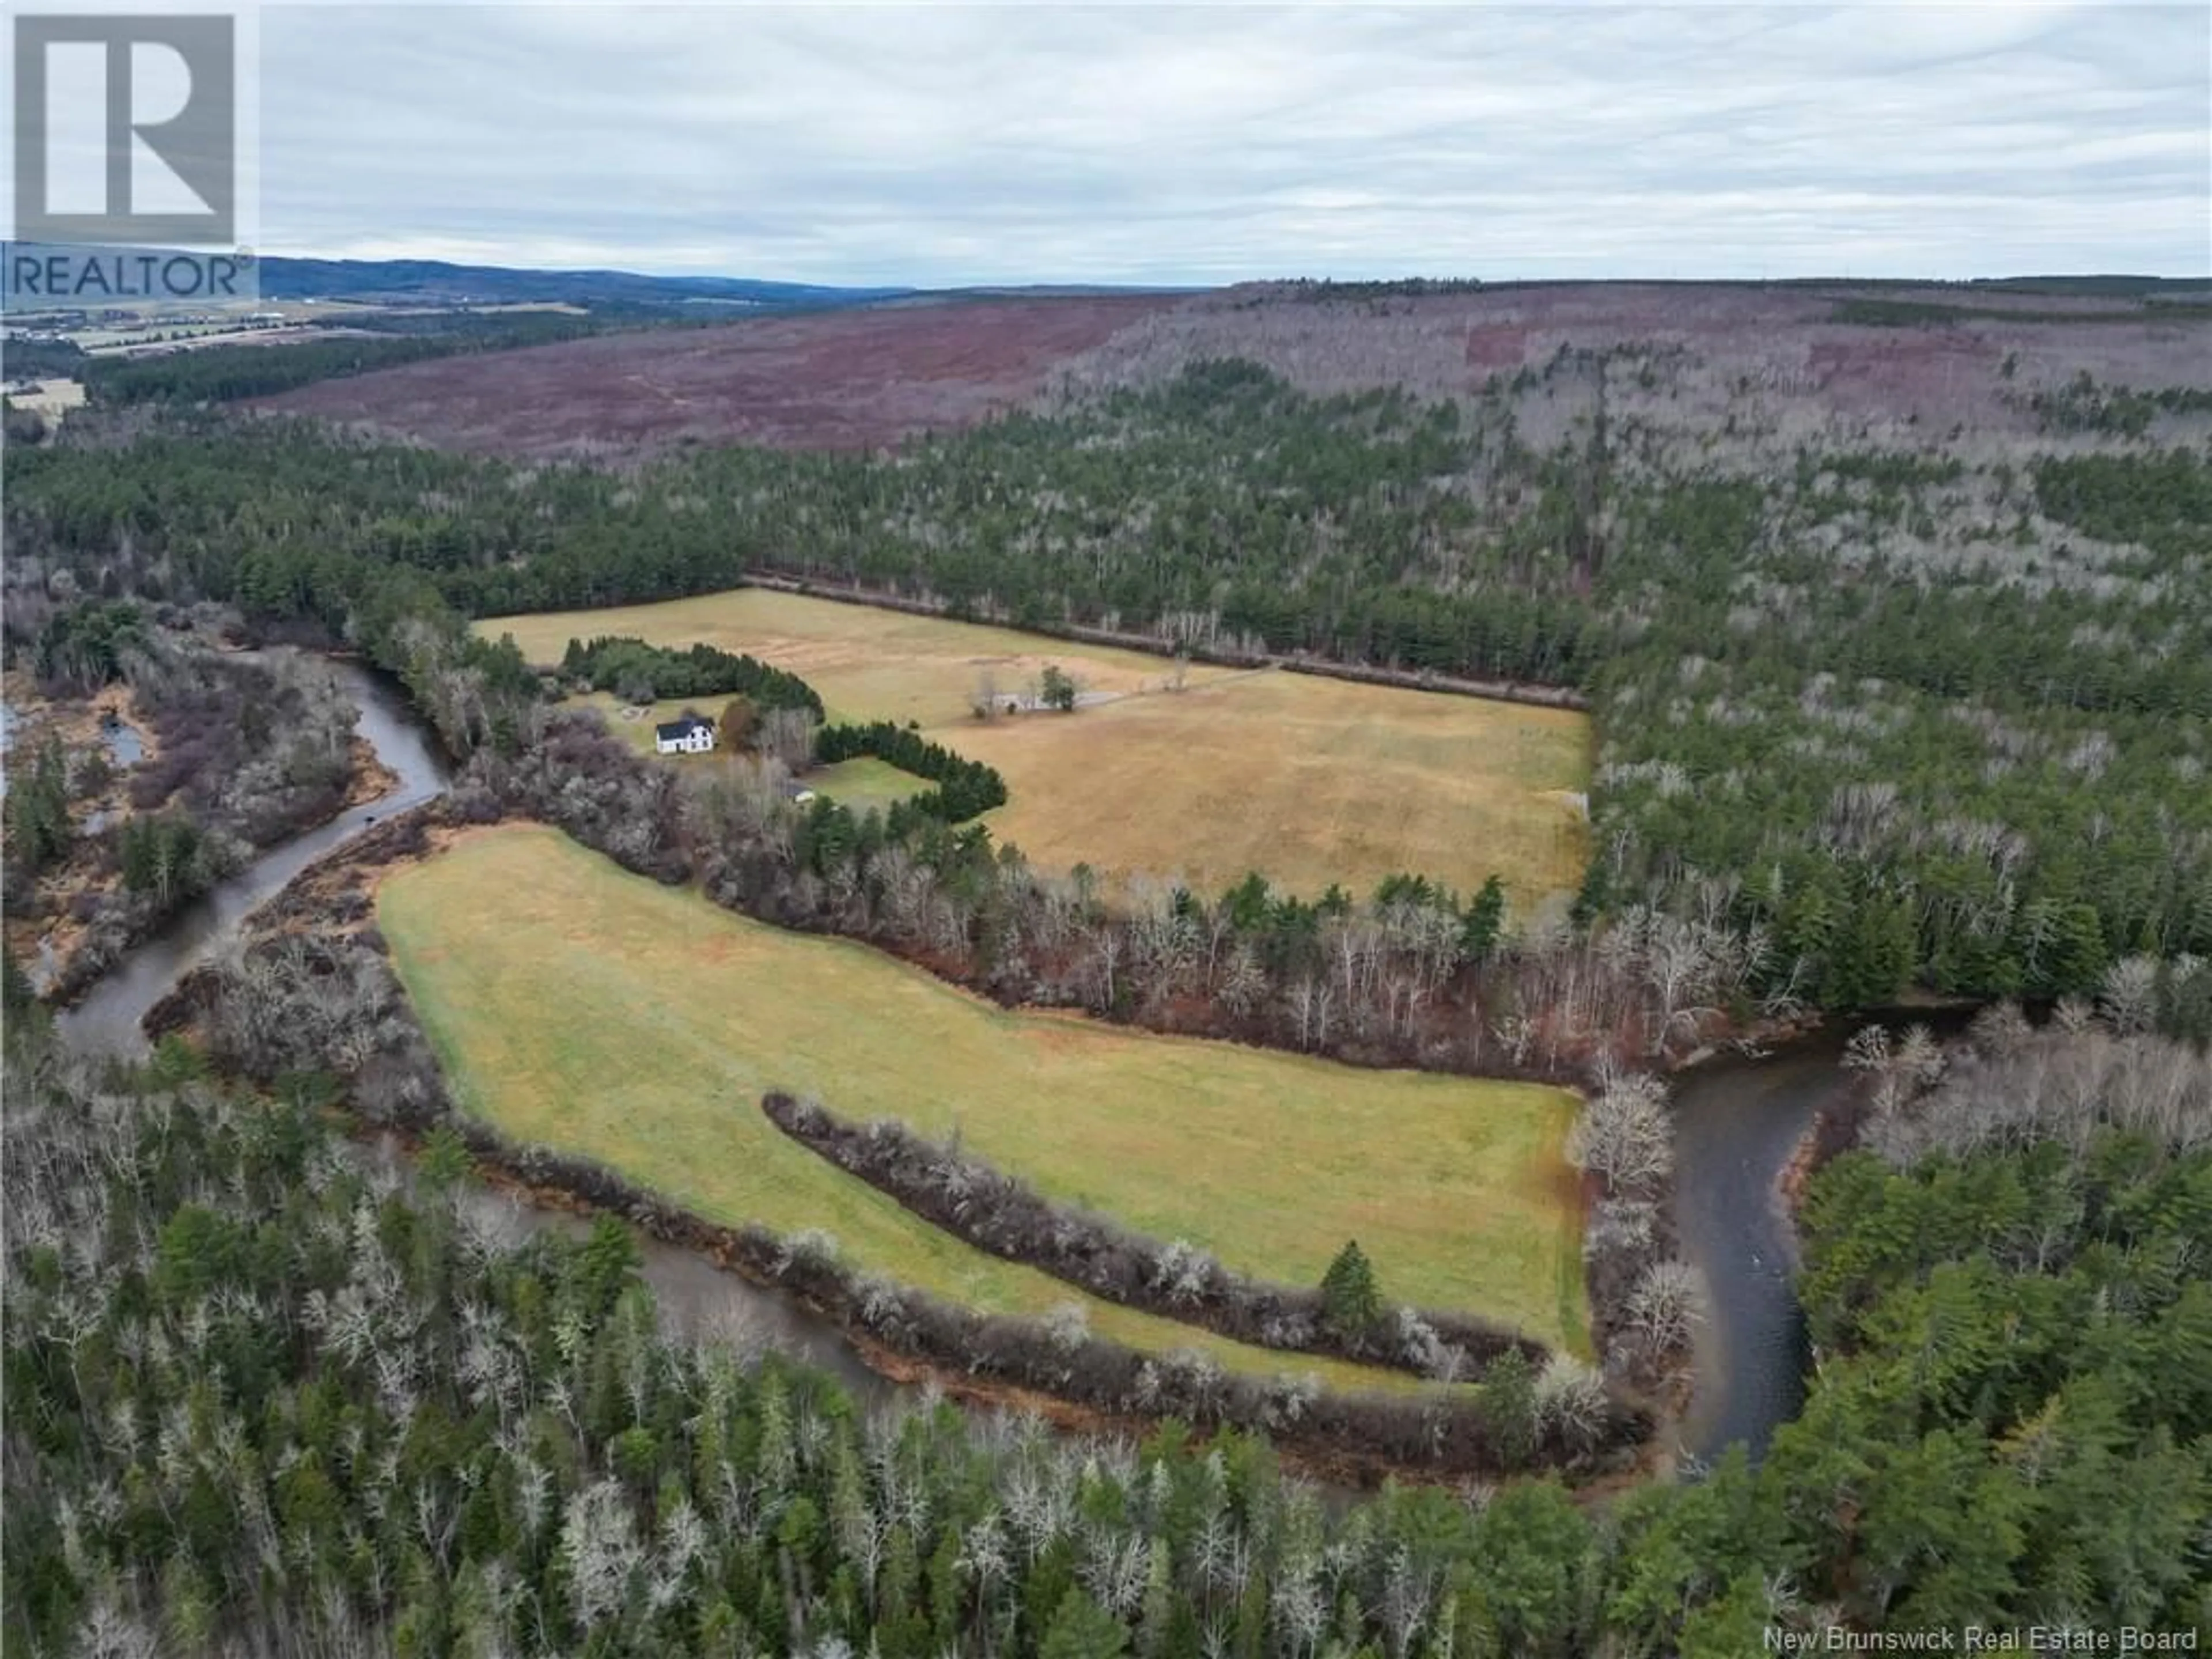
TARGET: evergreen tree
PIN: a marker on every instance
(1352, 1301)
(1508, 1407)
(1484, 922)
(17, 998)
(38, 815)
(1081, 1629)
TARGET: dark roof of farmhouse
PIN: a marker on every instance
(684, 727)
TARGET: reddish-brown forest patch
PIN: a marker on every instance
(838, 380)
(1704, 360)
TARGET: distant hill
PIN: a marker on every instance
(435, 280)
(2112, 286)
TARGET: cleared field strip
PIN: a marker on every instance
(600, 1013)
(1309, 780)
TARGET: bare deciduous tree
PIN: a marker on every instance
(1667, 1303)
(1625, 1134)
(786, 735)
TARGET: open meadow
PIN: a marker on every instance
(1307, 780)
(597, 1012)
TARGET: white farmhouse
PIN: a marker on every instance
(692, 735)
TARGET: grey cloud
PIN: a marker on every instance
(941, 145)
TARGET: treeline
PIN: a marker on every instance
(30, 359)
(320, 1412)
(639, 672)
(1924, 314)
(965, 788)
(219, 373)
(2084, 405)
(1172, 1277)
(1322, 289)
(1025, 522)
(1386, 981)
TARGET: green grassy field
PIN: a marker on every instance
(601, 1013)
(864, 782)
(1310, 781)
(634, 726)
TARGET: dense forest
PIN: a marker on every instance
(264, 1398)
(2083, 405)
(1890, 716)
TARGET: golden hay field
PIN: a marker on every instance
(599, 1013)
(1307, 780)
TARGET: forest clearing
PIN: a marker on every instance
(1307, 780)
(598, 1013)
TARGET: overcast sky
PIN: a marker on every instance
(941, 144)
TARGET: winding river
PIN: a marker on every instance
(1737, 1121)
(107, 1020)
(696, 1295)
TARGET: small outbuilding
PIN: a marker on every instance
(692, 735)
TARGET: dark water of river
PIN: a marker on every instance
(1736, 1122)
